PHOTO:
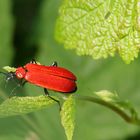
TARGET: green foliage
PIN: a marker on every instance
(92, 121)
(23, 105)
(100, 28)
(123, 108)
(9, 69)
(107, 96)
(68, 116)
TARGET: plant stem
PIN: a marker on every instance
(118, 110)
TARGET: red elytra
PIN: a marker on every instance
(49, 77)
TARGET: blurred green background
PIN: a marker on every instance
(27, 32)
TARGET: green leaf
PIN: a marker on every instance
(107, 95)
(68, 116)
(23, 105)
(92, 76)
(9, 69)
(100, 28)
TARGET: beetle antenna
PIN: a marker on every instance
(12, 92)
(9, 76)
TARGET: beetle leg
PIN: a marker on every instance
(33, 61)
(54, 64)
(23, 82)
(47, 94)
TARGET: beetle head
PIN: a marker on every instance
(10, 75)
(20, 72)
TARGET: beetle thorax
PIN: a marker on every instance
(20, 72)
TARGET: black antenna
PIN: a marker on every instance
(12, 76)
(12, 92)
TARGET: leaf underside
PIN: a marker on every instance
(100, 28)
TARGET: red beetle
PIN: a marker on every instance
(49, 77)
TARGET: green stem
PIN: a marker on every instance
(123, 114)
